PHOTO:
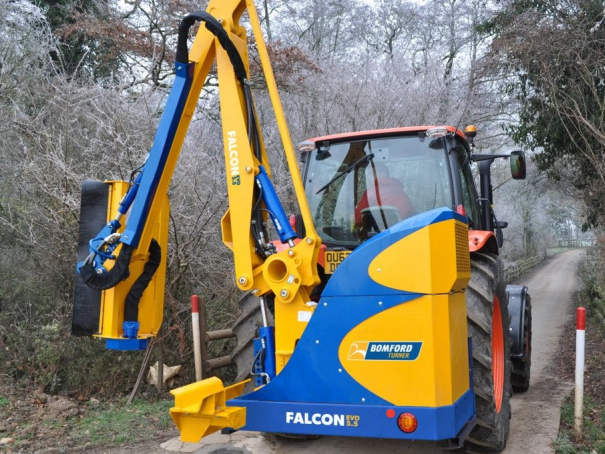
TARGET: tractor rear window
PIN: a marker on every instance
(357, 189)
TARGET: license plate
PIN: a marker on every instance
(333, 259)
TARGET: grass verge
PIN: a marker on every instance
(593, 428)
(592, 296)
(114, 424)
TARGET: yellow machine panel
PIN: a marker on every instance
(151, 305)
(439, 375)
(429, 247)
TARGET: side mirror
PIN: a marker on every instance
(517, 165)
(499, 237)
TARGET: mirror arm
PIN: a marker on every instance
(485, 157)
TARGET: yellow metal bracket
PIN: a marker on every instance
(201, 408)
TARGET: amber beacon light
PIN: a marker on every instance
(407, 422)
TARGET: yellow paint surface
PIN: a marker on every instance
(439, 376)
(431, 260)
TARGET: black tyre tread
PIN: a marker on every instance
(521, 367)
(246, 329)
(487, 280)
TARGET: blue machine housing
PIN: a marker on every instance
(314, 394)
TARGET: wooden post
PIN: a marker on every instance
(195, 322)
(142, 371)
(203, 331)
(160, 356)
(579, 400)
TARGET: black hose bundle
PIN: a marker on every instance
(113, 277)
(131, 307)
(182, 56)
(215, 27)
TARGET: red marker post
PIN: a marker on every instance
(580, 340)
(195, 321)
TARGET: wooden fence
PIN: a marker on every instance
(516, 269)
(209, 365)
(575, 243)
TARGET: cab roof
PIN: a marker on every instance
(376, 133)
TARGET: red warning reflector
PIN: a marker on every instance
(407, 422)
(390, 413)
(580, 318)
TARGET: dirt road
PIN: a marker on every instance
(535, 419)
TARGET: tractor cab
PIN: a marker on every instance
(361, 184)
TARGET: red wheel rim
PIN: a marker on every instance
(497, 354)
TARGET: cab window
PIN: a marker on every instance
(469, 193)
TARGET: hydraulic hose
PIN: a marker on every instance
(182, 56)
(113, 277)
(215, 27)
(131, 307)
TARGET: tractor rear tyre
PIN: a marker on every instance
(522, 366)
(488, 325)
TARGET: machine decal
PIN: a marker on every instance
(384, 351)
(317, 419)
(233, 157)
(322, 419)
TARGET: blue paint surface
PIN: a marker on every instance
(154, 167)
(126, 344)
(314, 372)
(352, 420)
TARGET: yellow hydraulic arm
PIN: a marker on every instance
(259, 268)
(292, 273)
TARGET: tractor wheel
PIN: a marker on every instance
(246, 329)
(488, 325)
(522, 366)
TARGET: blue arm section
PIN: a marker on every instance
(154, 167)
(131, 194)
(276, 211)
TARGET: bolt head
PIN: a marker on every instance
(339, 370)
(242, 280)
(309, 240)
(380, 303)
(248, 169)
(317, 341)
(255, 291)
(363, 399)
(325, 304)
(291, 253)
(284, 293)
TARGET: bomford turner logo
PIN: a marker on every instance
(384, 351)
